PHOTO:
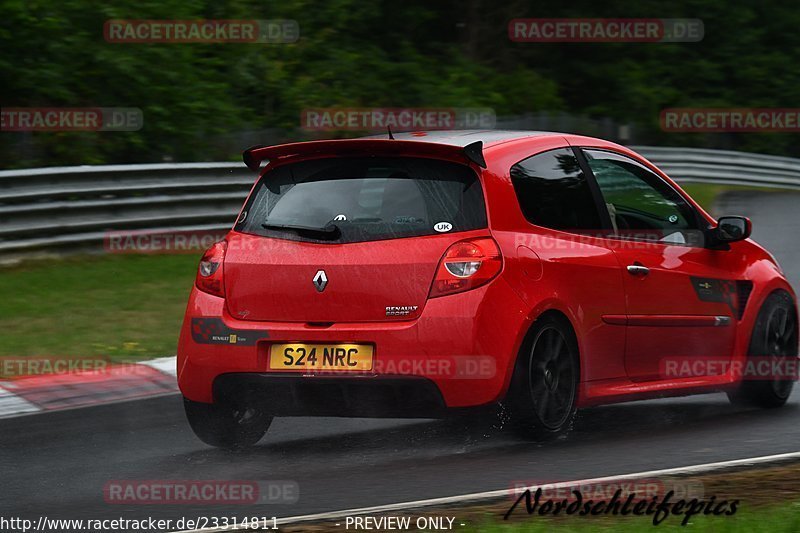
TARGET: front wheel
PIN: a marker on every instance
(232, 426)
(543, 393)
(774, 337)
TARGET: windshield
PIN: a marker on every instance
(367, 199)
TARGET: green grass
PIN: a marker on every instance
(706, 194)
(117, 306)
(780, 518)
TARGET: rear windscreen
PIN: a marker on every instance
(364, 199)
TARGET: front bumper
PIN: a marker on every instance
(458, 353)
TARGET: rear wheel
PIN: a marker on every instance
(234, 426)
(543, 393)
(774, 337)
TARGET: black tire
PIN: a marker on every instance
(228, 426)
(774, 335)
(544, 389)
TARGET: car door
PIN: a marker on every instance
(681, 304)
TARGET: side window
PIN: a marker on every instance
(553, 191)
(639, 202)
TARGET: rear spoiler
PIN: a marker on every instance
(471, 153)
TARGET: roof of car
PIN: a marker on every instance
(465, 137)
(438, 142)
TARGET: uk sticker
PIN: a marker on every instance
(442, 227)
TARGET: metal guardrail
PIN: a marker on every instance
(724, 167)
(50, 208)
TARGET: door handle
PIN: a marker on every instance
(638, 269)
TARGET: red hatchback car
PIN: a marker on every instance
(421, 274)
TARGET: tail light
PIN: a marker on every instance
(467, 265)
(209, 272)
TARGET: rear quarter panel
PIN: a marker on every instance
(551, 270)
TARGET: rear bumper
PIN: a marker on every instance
(458, 353)
(405, 397)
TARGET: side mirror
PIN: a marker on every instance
(732, 229)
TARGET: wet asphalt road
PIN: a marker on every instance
(56, 464)
(776, 224)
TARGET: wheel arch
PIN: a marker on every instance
(527, 336)
(762, 300)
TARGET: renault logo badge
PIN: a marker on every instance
(320, 280)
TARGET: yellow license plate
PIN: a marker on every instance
(338, 357)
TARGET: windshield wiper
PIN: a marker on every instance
(330, 232)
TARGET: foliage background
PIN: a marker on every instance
(207, 101)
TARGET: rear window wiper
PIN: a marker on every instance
(330, 232)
